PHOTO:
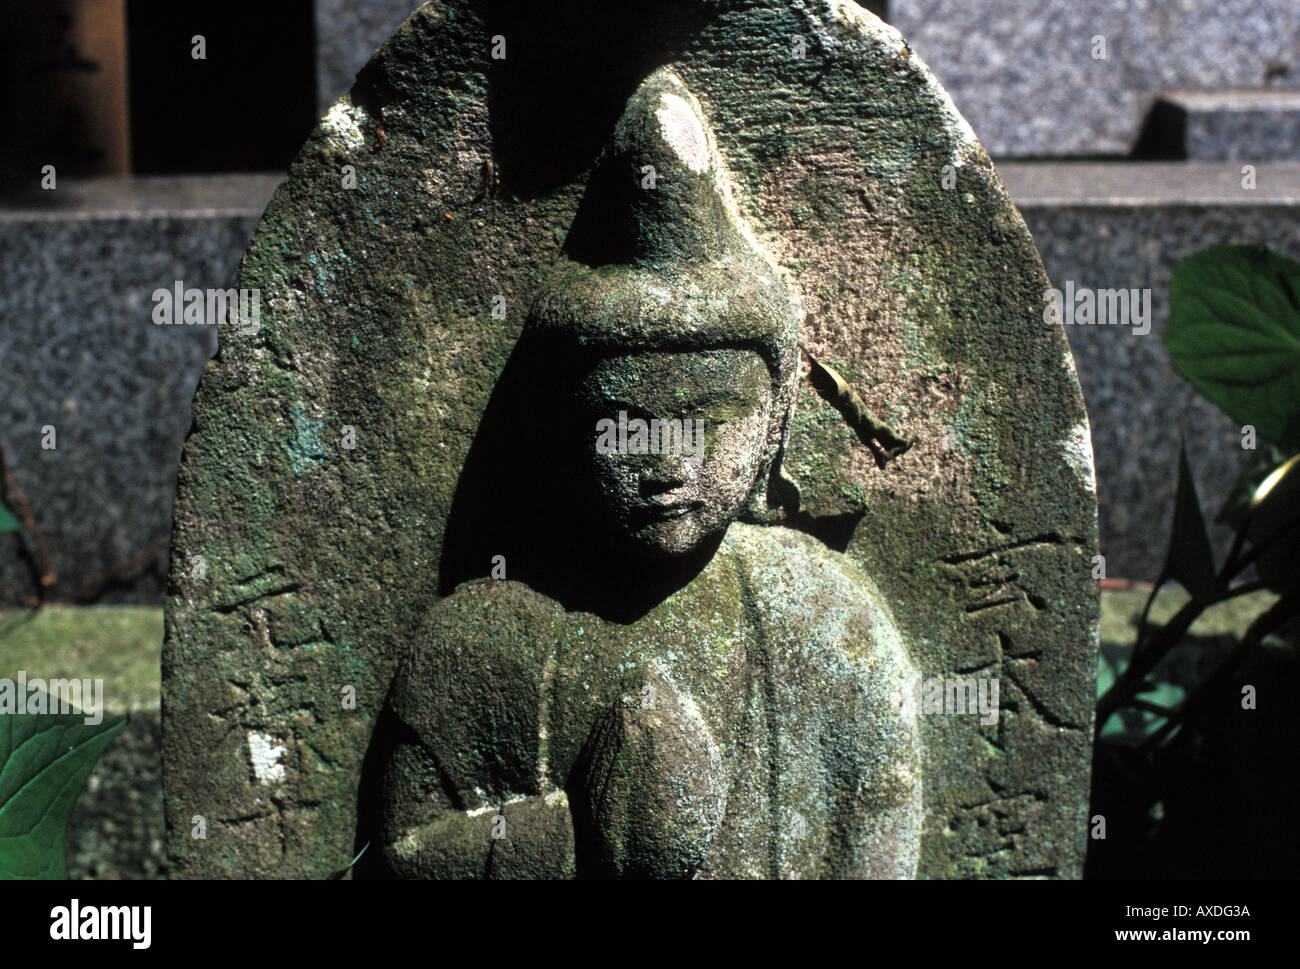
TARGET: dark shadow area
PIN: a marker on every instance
(1163, 136)
(522, 496)
(247, 106)
(1216, 801)
(553, 102)
(388, 732)
(833, 531)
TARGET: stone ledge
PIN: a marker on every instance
(176, 197)
(1023, 72)
(1101, 224)
(1128, 225)
(1222, 125)
(82, 353)
(1145, 185)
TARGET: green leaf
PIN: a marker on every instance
(1234, 334)
(44, 762)
(1190, 560)
(1260, 464)
(1276, 502)
(8, 522)
(1130, 725)
(1275, 525)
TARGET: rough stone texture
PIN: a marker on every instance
(1252, 126)
(1129, 227)
(347, 33)
(81, 353)
(322, 561)
(116, 827)
(707, 715)
(1023, 72)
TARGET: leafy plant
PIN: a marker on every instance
(1172, 756)
(44, 762)
(1234, 334)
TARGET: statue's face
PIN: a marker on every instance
(676, 441)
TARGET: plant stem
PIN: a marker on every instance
(1151, 647)
(1279, 614)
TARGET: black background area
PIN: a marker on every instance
(248, 107)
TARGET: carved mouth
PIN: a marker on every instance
(663, 513)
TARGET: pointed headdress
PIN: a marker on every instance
(658, 259)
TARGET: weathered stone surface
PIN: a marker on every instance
(1024, 73)
(702, 692)
(323, 562)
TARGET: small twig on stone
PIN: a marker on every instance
(485, 191)
(43, 569)
(16, 595)
(91, 589)
(879, 437)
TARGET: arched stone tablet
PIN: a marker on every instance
(360, 451)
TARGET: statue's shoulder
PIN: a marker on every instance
(487, 608)
(787, 553)
(841, 659)
(815, 593)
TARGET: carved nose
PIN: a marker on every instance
(665, 473)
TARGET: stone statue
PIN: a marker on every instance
(543, 527)
(747, 723)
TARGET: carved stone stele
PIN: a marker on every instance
(465, 604)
